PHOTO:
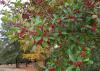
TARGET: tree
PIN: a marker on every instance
(9, 53)
(64, 31)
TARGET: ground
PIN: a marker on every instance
(13, 68)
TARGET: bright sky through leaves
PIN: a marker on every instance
(1, 7)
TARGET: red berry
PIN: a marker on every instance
(52, 69)
(92, 49)
(21, 35)
(25, 16)
(76, 11)
(83, 54)
(75, 64)
(89, 3)
(24, 29)
(44, 33)
(78, 63)
(60, 46)
(60, 33)
(38, 1)
(98, 15)
(94, 29)
(73, 18)
(84, 49)
(33, 32)
(52, 26)
(93, 26)
(40, 41)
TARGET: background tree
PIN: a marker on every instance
(8, 50)
(8, 53)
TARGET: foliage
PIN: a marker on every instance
(8, 53)
(64, 31)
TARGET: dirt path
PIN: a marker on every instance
(13, 68)
(9, 69)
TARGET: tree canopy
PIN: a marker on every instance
(62, 32)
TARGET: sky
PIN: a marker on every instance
(1, 7)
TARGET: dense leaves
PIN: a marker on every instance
(62, 31)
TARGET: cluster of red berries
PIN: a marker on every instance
(22, 33)
(73, 18)
(52, 69)
(83, 53)
(40, 41)
(76, 64)
(93, 25)
(89, 3)
(33, 33)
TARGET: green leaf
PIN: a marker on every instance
(55, 16)
(86, 60)
(44, 45)
(69, 68)
(88, 52)
(4, 18)
(37, 38)
(78, 69)
(32, 20)
(54, 20)
(18, 3)
(66, 4)
(71, 57)
(45, 39)
(64, 33)
(90, 62)
(39, 31)
(38, 20)
(65, 11)
(56, 34)
(46, 69)
(34, 46)
(98, 20)
(52, 38)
